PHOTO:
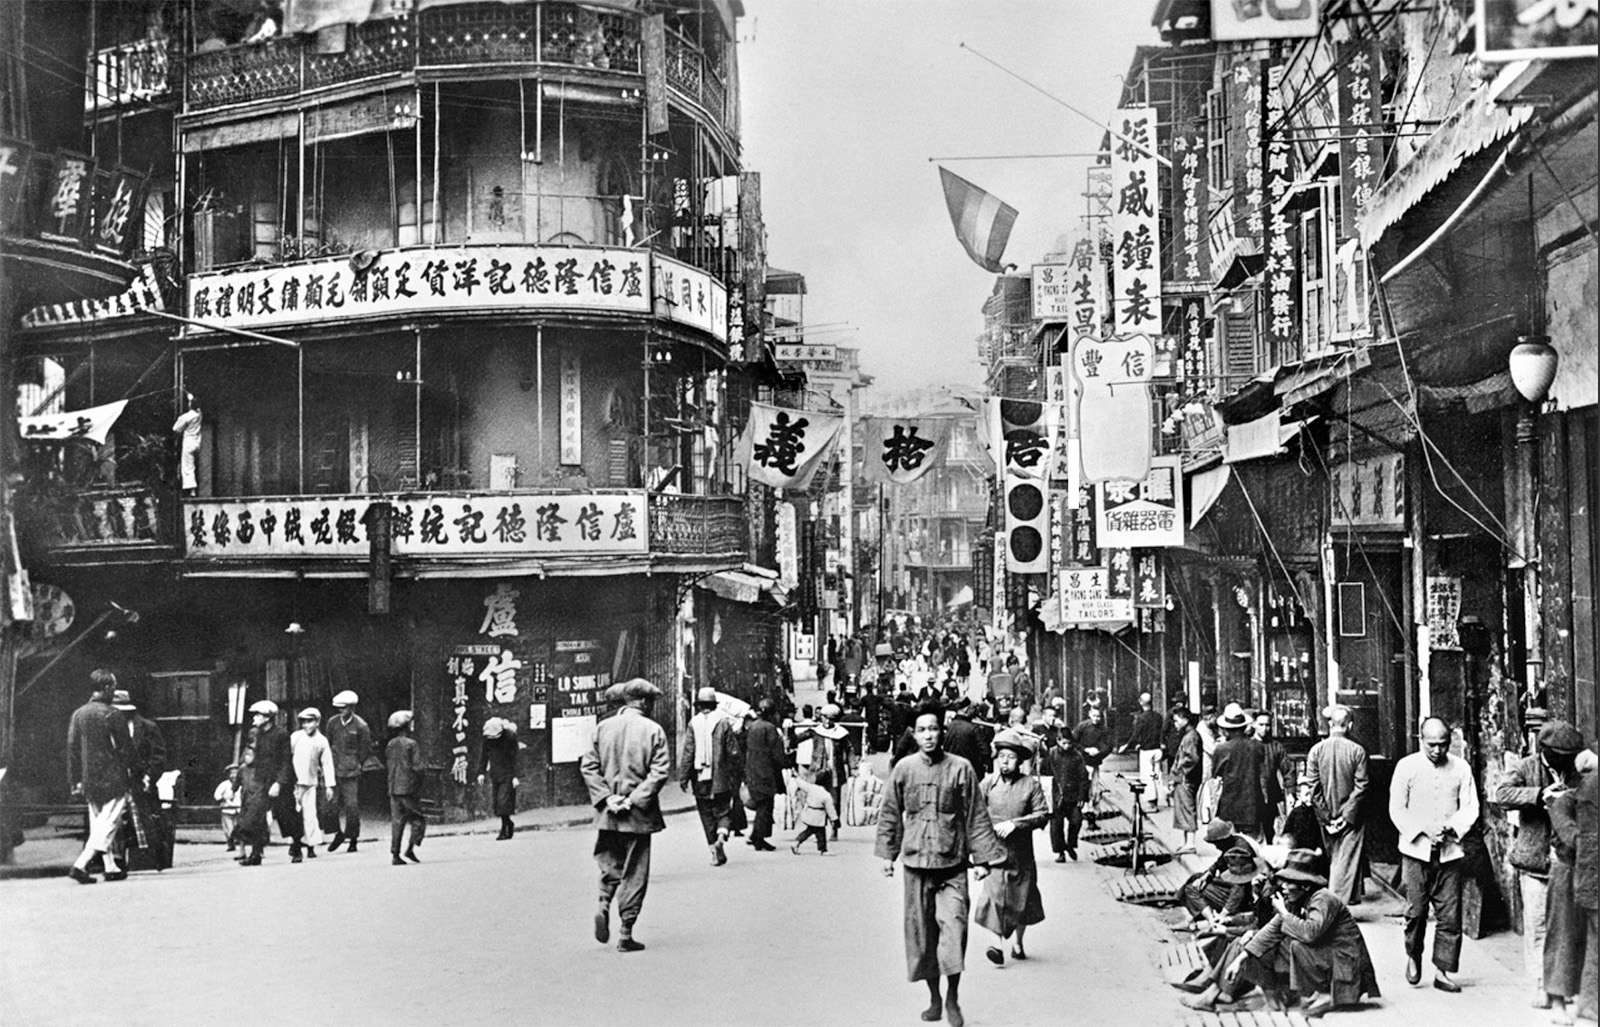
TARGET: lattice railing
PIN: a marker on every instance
(698, 524)
(241, 73)
(380, 47)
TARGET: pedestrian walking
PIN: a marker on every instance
(1146, 739)
(1188, 765)
(764, 760)
(499, 769)
(1010, 902)
(1586, 881)
(1565, 948)
(831, 753)
(1240, 767)
(274, 767)
(624, 770)
(97, 769)
(1069, 787)
(351, 741)
(255, 806)
(815, 811)
(1337, 766)
(710, 771)
(1433, 802)
(1094, 741)
(228, 797)
(313, 775)
(143, 825)
(936, 823)
(1279, 775)
(404, 758)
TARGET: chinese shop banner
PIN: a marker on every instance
(89, 424)
(688, 295)
(1536, 30)
(898, 451)
(1360, 138)
(1368, 492)
(1052, 292)
(1135, 229)
(1265, 19)
(1145, 514)
(1191, 204)
(1087, 288)
(424, 280)
(485, 524)
(1087, 598)
(782, 447)
(1113, 382)
(1282, 298)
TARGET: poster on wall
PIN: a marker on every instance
(1443, 605)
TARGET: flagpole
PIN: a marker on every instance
(883, 512)
(1141, 147)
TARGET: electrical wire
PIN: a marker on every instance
(1351, 535)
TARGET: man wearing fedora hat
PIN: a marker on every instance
(1240, 767)
(350, 738)
(1311, 947)
(624, 770)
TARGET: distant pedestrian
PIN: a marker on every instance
(1094, 741)
(1069, 786)
(764, 760)
(1187, 765)
(404, 757)
(1010, 902)
(143, 825)
(1279, 780)
(831, 753)
(934, 820)
(815, 810)
(1433, 802)
(274, 767)
(1240, 767)
(97, 767)
(1149, 730)
(710, 770)
(1337, 767)
(499, 769)
(351, 741)
(624, 770)
(229, 797)
(255, 807)
(313, 776)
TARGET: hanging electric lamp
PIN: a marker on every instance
(1533, 366)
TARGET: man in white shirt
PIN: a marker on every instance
(1433, 802)
(313, 774)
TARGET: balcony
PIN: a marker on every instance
(98, 520)
(456, 526)
(456, 36)
(128, 75)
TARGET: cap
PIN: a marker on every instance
(346, 698)
(399, 719)
(494, 727)
(1015, 741)
(1556, 736)
(310, 713)
(883, 649)
(706, 696)
(613, 692)
(123, 701)
(1219, 830)
(1242, 866)
(830, 710)
(639, 688)
(266, 706)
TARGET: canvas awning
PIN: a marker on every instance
(742, 587)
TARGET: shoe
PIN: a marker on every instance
(994, 955)
(1074, 854)
(795, 848)
(719, 855)
(253, 860)
(1445, 984)
(952, 1014)
(338, 840)
(81, 876)
(411, 854)
(351, 847)
(1320, 1003)
(933, 1013)
(295, 857)
(116, 875)
(231, 847)
(763, 847)
(1541, 1000)
(1061, 857)
(311, 852)
(395, 860)
(602, 926)
(1413, 971)
(629, 945)
(1018, 953)
(1194, 984)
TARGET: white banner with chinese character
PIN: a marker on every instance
(901, 450)
(90, 424)
(481, 524)
(400, 282)
(1135, 227)
(1145, 514)
(783, 447)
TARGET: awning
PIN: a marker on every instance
(1205, 488)
(741, 587)
(1239, 267)
(1471, 130)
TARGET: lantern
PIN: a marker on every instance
(1533, 366)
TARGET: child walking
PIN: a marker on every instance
(229, 796)
(816, 812)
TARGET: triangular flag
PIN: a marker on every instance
(982, 222)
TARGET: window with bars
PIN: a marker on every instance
(1314, 277)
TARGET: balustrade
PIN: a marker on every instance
(109, 516)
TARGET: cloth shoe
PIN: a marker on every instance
(82, 877)
(411, 854)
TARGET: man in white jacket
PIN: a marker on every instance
(313, 772)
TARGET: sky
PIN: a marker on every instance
(844, 101)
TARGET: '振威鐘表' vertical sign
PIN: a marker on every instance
(1135, 228)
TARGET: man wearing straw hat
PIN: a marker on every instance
(1240, 766)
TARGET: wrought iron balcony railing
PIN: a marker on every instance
(127, 74)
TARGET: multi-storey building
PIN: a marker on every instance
(465, 288)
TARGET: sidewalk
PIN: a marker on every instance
(50, 850)
(1495, 989)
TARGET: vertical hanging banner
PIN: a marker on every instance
(1025, 436)
(1027, 525)
(571, 408)
(1135, 229)
(1282, 305)
(1360, 153)
(1193, 345)
(1060, 397)
(1191, 203)
(1113, 383)
(1149, 582)
(1086, 288)
(653, 51)
(1245, 145)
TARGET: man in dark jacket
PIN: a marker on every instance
(499, 769)
(351, 741)
(1586, 879)
(97, 769)
(1240, 763)
(404, 757)
(962, 738)
(274, 763)
(145, 827)
(764, 760)
(1521, 790)
(1069, 788)
(710, 770)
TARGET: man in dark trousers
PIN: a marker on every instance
(1240, 764)
(764, 760)
(274, 763)
(624, 770)
(145, 828)
(1069, 787)
(97, 769)
(499, 769)
(1094, 741)
(351, 741)
(710, 770)
(404, 757)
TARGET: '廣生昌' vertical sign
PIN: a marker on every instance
(1191, 200)
(1279, 175)
(1135, 231)
(1086, 288)
(1360, 153)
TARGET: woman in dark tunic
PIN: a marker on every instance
(1010, 901)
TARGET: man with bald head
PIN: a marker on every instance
(1337, 767)
(1433, 802)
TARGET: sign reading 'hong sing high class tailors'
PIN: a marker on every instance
(485, 524)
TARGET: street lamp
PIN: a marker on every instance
(1533, 363)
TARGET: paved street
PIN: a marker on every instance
(485, 930)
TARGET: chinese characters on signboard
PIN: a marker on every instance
(571, 407)
(1086, 597)
(1191, 202)
(1443, 606)
(1248, 188)
(1537, 30)
(805, 352)
(1145, 514)
(1265, 19)
(1052, 292)
(1088, 288)
(1194, 344)
(690, 296)
(1369, 492)
(783, 447)
(1113, 377)
(1135, 229)
(1281, 299)
(1360, 145)
(901, 451)
(484, 524)
(1149, 582)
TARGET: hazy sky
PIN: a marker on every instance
(844, 101)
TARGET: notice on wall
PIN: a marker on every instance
(1443, 605)
(570, 737)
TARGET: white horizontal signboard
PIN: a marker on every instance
(691, 297)
(1086, 597)
(484, 524)
(1145, 514)
(1052, 292)
(426, 280)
